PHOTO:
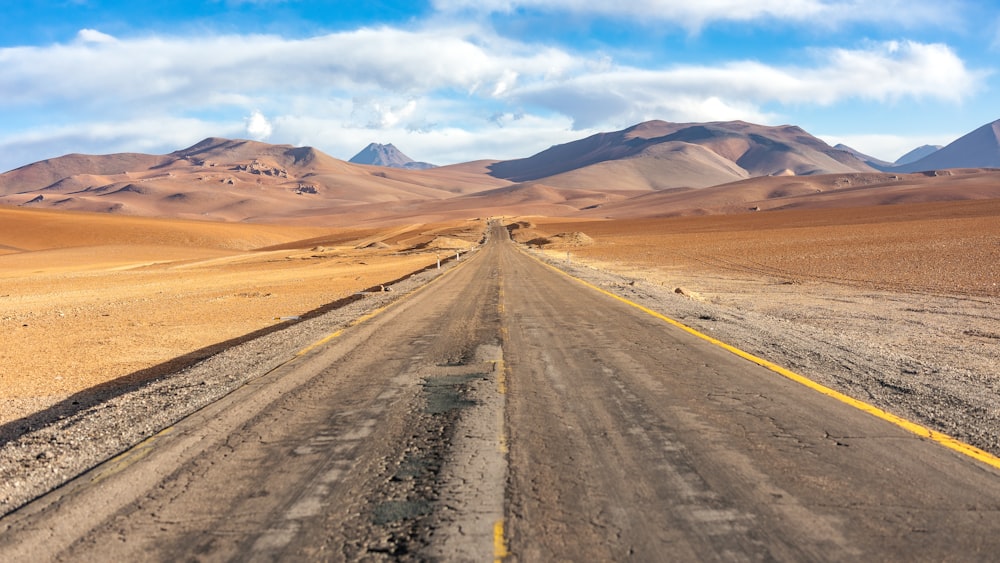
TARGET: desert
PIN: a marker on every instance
(500, 281)
(92, 300)
(134, 300)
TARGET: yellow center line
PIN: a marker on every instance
(501, 370)
(499, 542)
(912, 427)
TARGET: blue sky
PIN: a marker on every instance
(454, 80)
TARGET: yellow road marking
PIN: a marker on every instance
(912, 427)
(499, 543)
(368, 316)
(137, 452)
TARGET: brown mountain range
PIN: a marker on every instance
(652, 169)
(658, 155)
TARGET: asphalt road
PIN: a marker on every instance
(506, 411)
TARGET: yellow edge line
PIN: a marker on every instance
(123, 461)
(499, 543)
(369, 316)
(922, 431)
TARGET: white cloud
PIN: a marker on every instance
(419, 84)
(384, 113)
(695, 15)
(738, 90)
(151, 134)
(447, 144)
(94, 36)
(258, 127)
(180, 71)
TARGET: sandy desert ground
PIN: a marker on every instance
(894, 305)
(929, 248)
(92, 300)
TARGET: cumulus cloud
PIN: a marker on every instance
(737, 90)
(423, 81)
(181, 71)
(169, 72)
(258, 127)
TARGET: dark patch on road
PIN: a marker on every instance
(446, 394)
(402, 509)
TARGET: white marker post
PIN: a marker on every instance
(439, 260)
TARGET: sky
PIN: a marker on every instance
(450, 81)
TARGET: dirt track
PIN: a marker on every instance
(625, 439)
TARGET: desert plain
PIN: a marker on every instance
(96, 300)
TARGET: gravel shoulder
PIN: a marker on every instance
(46, 449)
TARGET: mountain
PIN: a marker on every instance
(228, 180)
(916, 154)
(875, 163)
(978, 149)
(376, 154)
(659, 155)
(654, 168)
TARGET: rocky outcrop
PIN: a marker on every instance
(261, 169)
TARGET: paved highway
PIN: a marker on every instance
(509, 412)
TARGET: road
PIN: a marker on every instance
(508, 412)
